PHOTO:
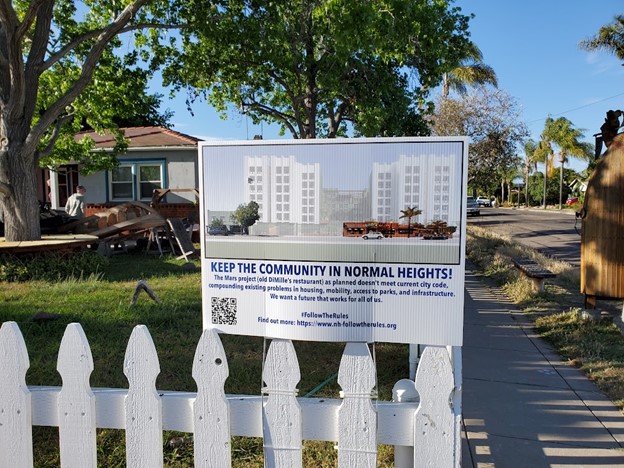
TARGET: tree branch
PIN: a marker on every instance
(51, 114)
(336, 119)
(55, 135)
(36, 54)
(280, 116)
(31, 15)
(54, 58)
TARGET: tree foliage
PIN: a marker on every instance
(316, 66)
(61, 69)
(246, 215)
(610, 37)
(471, 71)
(562, 134)
(491, 118)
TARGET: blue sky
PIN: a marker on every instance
(533, 47)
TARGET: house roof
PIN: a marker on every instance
(143, 137)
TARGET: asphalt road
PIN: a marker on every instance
(554, 233)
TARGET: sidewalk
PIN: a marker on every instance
(522, 405)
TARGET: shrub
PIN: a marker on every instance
(53, 266)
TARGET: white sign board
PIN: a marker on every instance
(355, 239)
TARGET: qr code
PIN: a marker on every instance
(224, 310)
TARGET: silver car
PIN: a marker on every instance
(472, 207)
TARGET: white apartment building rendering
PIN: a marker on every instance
(425, 182)
(286, 191)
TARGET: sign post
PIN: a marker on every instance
(335, 240)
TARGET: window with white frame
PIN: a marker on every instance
(136, 180)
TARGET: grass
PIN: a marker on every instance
(101, 304)
(595, 346)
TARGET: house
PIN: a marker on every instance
(156, 158)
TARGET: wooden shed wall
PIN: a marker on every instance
(602, 236)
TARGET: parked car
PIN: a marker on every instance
(235, 229)
(472, 207)
(218, 231)
(373, 235)
(572, 200)
(484, 201)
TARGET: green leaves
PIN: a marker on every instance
(317, 65)
(610, 38)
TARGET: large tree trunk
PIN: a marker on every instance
(19, 206)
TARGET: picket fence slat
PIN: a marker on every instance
(282, 419)
(76, 402)
(143, 405)
(282, 414)
(434, 422)
(210, 410)
(357, 426)
(15, 400)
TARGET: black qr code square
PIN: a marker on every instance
(223, 310)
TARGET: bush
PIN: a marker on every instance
(53, 266)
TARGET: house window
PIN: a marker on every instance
(136, 180)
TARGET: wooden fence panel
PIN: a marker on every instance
(434, 422)
(357, 419)
(281, 413)
(143, 405)
(211, 418)
(76, 401)
(15, 401)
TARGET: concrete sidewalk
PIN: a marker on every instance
(522, 405)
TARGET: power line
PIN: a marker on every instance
(577, 108)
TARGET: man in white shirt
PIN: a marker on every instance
(75, 206)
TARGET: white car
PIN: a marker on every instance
(373, 235)
(484, 201)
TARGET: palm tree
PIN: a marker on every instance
(470, 72)
(529, 151)
(410, 213)
(544, 154)
(610, 37)
(565, 137)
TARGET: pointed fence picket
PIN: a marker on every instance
(430, 426)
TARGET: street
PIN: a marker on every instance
(554, 233)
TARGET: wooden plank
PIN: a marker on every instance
(357, 419)
(143, 406)
(48, 243)
(281, 420)
(15, 400)
(211, 410)
(532, 268)
(76, 401)
(144, 222)
(434, 422)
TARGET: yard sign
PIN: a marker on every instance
(356, 239)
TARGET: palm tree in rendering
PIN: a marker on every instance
(410, 213)
(470, 72)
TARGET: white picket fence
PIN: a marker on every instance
(425, 432)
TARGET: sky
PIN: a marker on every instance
(533, 46)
